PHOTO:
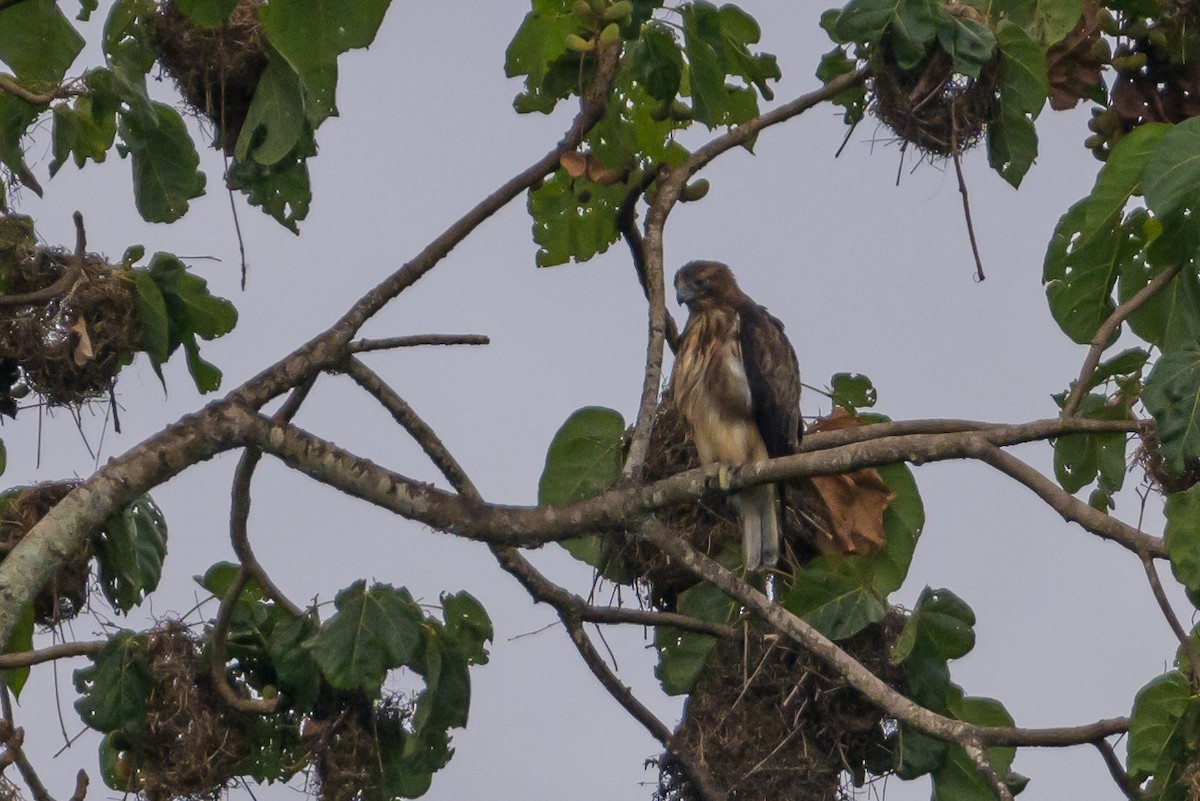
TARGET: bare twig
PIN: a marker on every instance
(962, 189)
(1164, 604)
(1100, 340)
(50, 653)
(1117, 770)
(13, 738)
(365, 345)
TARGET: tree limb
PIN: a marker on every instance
(50, 653)
(1104, 333)
(1117, 770)
(365, 345)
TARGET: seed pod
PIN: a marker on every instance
(579, 44)
(611, 34)
(618, 11)
(696, 190)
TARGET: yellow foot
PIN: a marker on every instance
(720, 476)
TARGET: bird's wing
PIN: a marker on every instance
(773, 374)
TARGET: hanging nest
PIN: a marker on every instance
(216, 69)
(931, 106)
(1158, 473)
(194, 742)
(346, 748)
(20, 509)
(70, 346)
(769, 721)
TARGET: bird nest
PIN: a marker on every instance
(1158, 473)
(347, 757)
(769, 721)
(941, 112)
(20, 509)
(71, 345)
(193, 742)
(217, 69)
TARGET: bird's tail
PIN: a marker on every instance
(758, 508)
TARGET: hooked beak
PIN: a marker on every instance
(684, 294)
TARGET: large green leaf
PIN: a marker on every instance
(311, 34)
(129, 553)
(373, 631)
(1172, 395)
(969, 44)
(1121, 175)
(37, 41)
(1023, 79)
(570, 223)
(1182, 534)
(941, 626)
(957, 779)
(1012, 145)
(1047, 21)
(903, 521)
(468, 624)
(115, 688)
(1080, 459)
(584, 457)
(275, 124)
(1172, 178)
(656, 62)
(835, 596)
(297, 674)
(166, 171)
(682, 655)
(83, 132)
(1156, 733)
(206, 13)
(281, 190)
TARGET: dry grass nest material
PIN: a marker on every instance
(769, 721)
(217, 69)
(71, 347)
(66, 594)
(930, 106)
(346, 759)
(194, 741)
(1159, 474)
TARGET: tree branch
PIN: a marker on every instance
(64, 650)
(365, 345)
(10, 87)
(64, 282)
(1117, 770)
(1105, 333)
(1067, 505)
(1164, 604)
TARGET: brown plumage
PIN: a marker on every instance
(737, 384)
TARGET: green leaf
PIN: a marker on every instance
(940, 627)
(1023, 82)
(1182, 534)
(165, 163)
(1126, 364)
(567, 227)
(903, 520)
(852, 391)
(1048, 21)
(206, 13)
(468, 624)
(836, 597)
(115, 688)
(311, 34)
(682, 655)
(81, 132)
(20, 641)
(1172, 395)
(1172, 177)
(275, 124)
(539, 42)
(864, 20)
(968, 43)
(152, 315)
(373, 631)
(282, 190)
(1080, 459)
(584, 458)
(295, 669)
(1171, 318)
(1012, 145)
(129, 553)
(1155, 726)
(957, 779)
(446, 699)
(37, 41)
(706, 70)
(656, 63)
(917, 754)
(1121, 175)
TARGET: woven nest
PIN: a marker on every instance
(1159, 474)
(194, 742)
(930, 106)
(769, 721)
(70, 347)
(708, 525)
(216, 69)
(66, 594)
(346, 758)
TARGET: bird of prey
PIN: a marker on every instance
(736, 383)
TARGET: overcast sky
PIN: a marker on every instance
(867, 276)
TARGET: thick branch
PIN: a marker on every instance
(1106, 331)
(626, 504)
(1117, 770)
(64, 650)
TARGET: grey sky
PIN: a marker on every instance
(867, 276)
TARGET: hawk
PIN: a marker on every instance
(736, 382)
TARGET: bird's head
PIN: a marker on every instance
(700, 284)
